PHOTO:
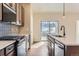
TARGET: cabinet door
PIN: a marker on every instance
(20, 14)
(11, 54)
(14, 6)
(18, 21)
(72, 51)
(0, 11)
(11, 5)
(9, 49)
(2, 52)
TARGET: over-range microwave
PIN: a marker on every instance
(8, 15)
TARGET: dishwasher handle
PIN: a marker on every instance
(61, 47)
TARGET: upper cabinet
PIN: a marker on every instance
(8, 13)
(12, 13)
(20, 15)
(11, 5)
(0, 12)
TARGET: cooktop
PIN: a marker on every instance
(11, 37)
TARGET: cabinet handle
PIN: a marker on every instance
(11, 47)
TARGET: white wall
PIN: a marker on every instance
(71, 16)
(69, 22)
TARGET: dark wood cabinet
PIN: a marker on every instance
(7, 13)
(20, 15)
(72, 51)
(12, 13)
(2, 52)
(11, 6)
(0, 12)
(9, 50)
(12, 53)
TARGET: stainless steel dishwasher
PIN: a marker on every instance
(59, 49)
(21, 48)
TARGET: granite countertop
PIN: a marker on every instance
(66, 41)
(4, 43)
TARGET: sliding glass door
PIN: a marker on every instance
(44, 30)
(48, 27)
(53, 28)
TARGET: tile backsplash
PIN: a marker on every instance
(6, 29)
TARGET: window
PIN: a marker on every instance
(48, 27)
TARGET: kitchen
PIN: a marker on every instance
(13, 41)
(21, 28)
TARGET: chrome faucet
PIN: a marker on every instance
(63, 28)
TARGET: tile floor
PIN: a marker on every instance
(38, 49)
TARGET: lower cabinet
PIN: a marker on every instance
(72, 51)
(8, 51)
(12, 53)
(2, 52)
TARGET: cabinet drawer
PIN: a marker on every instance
(2, 52)
(9, 49)
(11, 53)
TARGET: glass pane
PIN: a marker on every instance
(48, 27)
(54, 27)
(45, 28)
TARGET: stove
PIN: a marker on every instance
(17, 38)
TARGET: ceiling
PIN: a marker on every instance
(46, 7)
(55, 7)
